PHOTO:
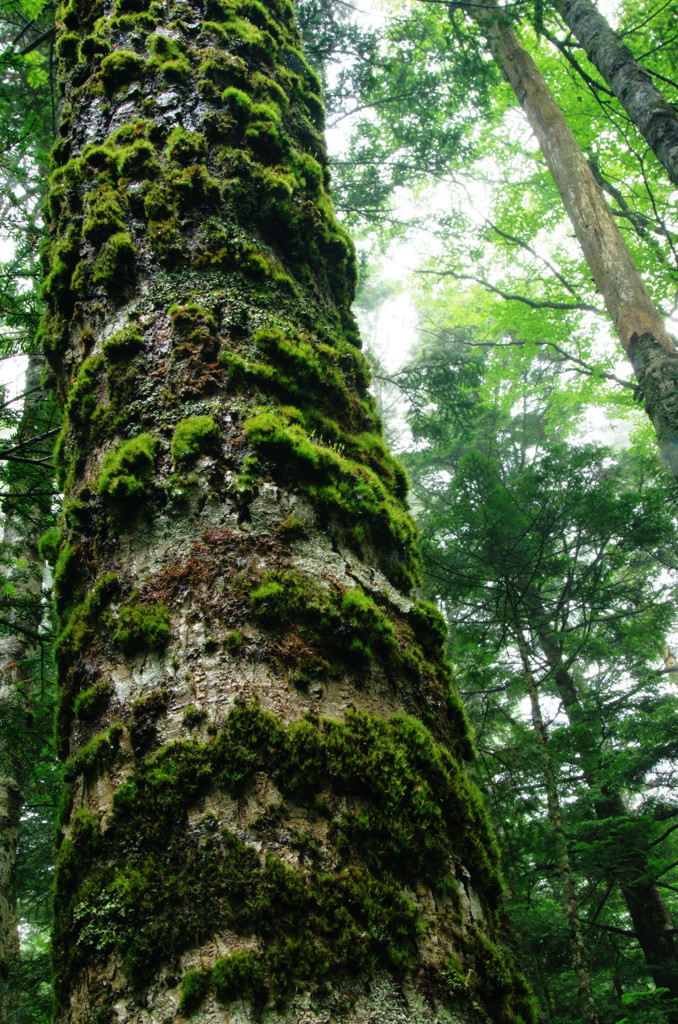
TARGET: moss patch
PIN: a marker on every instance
(142, 627)
(194, 436)
(127, 474)
(410, 813)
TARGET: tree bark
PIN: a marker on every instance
(647, 344)
(267, 802)
(568, 888)
(654, 117)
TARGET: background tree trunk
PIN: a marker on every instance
(648, 346)
(267, 803)
(653, 116)
(568, 888)
(20, 657)
(629, 866)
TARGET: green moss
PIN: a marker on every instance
(194, 987)
(126, 478)
(140, 22)
(408, 814)
(336, 484)
(186, 147)
(166, 241)
(158, 203)
(142, 627)
(77, 629)
(92, 702)
(263, 85)
(143, 728)
(266, 140)
(67, 574)
(138, 161)
(193, 186)
(238, 104)
(279, 595)
(96, 756)
(175, 71)
(67, 46)
(166, 47)
(234, 641)
(222, 68)
(103, 214)
(193, 716)
(123, 344)
(240, 976)
(114, 266)
(255, 43)
(194, 436)
(93, 46)
(48, 545)
(430, 627)
(372, 626)
(120, 68)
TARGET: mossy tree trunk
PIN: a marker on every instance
(267, 811)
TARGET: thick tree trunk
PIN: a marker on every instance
(267, 803)
(568, 888)
(648, 346)
(653, 116)
(651, 919)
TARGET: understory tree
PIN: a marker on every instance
(267, 808)
(550, 556)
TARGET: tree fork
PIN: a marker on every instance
(649, 347)
(268, 812)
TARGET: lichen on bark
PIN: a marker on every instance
(268, 813)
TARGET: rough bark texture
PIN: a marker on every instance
(268, 816)
(653, 116)
(648, 346)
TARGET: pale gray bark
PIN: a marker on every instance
(654, 117)
(639, 325)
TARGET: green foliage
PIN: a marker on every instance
(560, 546)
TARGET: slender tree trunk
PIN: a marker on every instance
(267, 803)
(651, 919)
(569, 892)
(20, 650)
(654, 117)
(648, 346)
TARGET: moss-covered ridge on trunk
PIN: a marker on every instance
(401, 815)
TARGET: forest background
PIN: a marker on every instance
(547, 518)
